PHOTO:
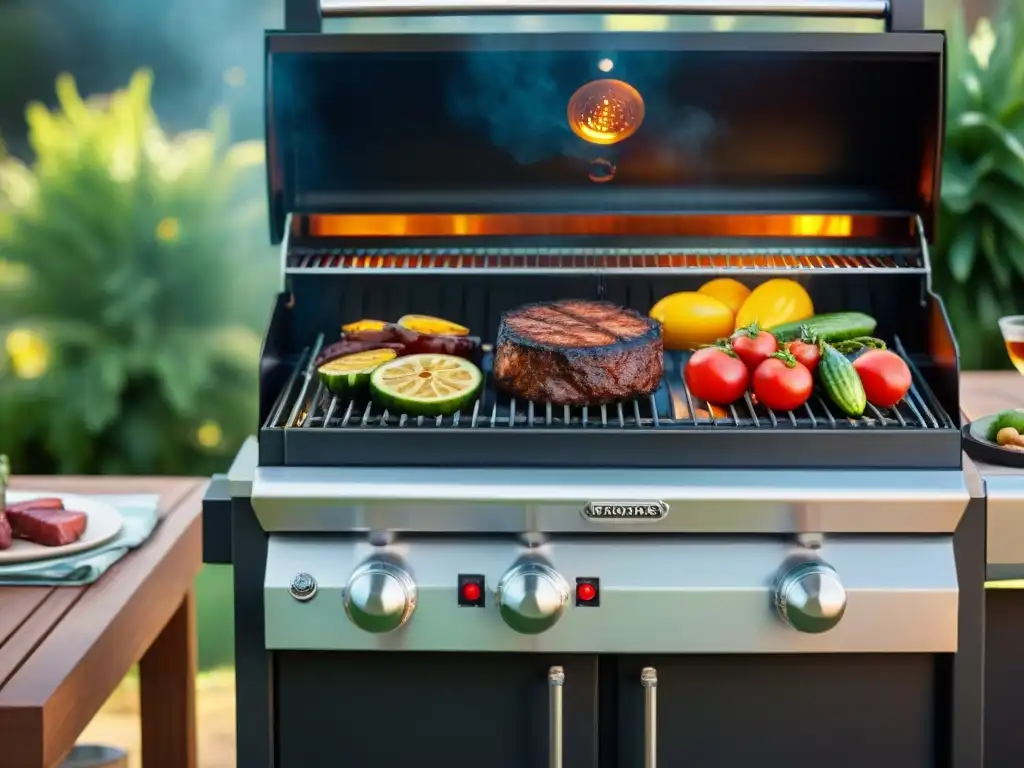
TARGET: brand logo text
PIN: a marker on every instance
(614, 511)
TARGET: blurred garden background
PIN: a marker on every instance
(135, 270)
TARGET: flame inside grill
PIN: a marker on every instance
(605, 111)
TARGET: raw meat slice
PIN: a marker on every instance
(49, 527)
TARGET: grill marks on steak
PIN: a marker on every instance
(41, 521)
(578, 352)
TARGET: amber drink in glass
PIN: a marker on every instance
(1013, 335)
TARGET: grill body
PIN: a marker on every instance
(522, 585)
(904, 666)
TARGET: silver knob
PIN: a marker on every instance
(380, 596)
(531, 597)
(810, 598)
(303, 587)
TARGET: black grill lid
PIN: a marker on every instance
(732, 122)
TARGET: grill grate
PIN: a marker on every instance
(602, 260)
(671, 407)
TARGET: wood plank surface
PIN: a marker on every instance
(63, 650)
(986, 392)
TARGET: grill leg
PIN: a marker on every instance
(966, 675)
(254, 691)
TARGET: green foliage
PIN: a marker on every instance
(979, 267)
(133, 272)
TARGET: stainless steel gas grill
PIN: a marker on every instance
(525, 583)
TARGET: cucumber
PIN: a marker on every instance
(841, 382)
(837, 326)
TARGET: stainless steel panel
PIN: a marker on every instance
(1004, 488)
(495, 501)
(243, 468)
(661, 595)
(852, 8)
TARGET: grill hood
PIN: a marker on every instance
(731, 123)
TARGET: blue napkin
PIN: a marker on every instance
(141, 513)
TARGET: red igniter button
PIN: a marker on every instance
(471, 590)
(588, 593)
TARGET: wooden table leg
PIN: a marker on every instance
(168, 692)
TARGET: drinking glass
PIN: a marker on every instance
(1012, 329)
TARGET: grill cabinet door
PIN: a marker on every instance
(778, 711)
(396, 710)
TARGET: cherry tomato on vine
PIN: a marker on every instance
(717, 376)
(806, 353)
(753, 346)
(781, 383)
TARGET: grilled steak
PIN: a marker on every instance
(47, 526)
(6, 536)
(577, 352)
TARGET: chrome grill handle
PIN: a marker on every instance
(649, 681)
(556, 681)
(878, 9)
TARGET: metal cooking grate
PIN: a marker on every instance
(605, 260)
(305, 404)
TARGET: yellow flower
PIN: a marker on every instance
(29, 353)
(209, 434)
(168, 230)
(982, 42)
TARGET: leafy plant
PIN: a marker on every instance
(134, 271)
(979, 267)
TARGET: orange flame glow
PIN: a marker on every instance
(458, 225)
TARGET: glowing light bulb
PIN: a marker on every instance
(605, 111)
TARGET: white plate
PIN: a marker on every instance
(103, 523)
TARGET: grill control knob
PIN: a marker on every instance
(531, 597)
(810, 598)
(380, 596)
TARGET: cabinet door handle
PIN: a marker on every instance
(556, 680)
(649, 681)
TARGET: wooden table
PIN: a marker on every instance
(985, 392)
(64, 650)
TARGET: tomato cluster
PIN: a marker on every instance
(751, 358)
(782, 379)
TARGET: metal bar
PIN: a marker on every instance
(905, 16)
(649, 681)
(275, 416)
(878, 9)
(307, 376)
(632, 261)
(556, 681)
(302, 16)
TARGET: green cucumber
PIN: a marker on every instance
(841, 382)
(837, 326)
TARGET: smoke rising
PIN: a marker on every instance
(519, 100)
